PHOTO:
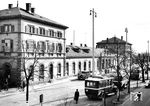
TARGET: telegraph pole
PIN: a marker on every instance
(94, 14)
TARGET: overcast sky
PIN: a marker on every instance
(113, 16)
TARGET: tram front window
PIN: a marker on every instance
(91, 84)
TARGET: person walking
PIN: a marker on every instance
(76, 96)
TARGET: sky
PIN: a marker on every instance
(113, 16)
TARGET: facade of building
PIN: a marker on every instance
(119, 47)
(26, 38)
(79, 58)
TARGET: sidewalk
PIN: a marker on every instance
(15, 91)
(125, 96)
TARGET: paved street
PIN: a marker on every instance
(54, 94)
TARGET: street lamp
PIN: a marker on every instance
(94, 14)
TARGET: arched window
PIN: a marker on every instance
(106, 63)
(103, 62)
(59, 70)
(41, 72)
(85, 65)
(67, 68)
(89, 65)
(74, 67)
(79, 66)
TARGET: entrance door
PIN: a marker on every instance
(51, 71)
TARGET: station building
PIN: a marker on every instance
(26, 36)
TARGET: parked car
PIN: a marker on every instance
(84, 74)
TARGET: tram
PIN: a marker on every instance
(95, 86)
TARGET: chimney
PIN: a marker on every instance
(80, 45)
(32, 10)
(107, 40)
(28, 7)
(114, 39)
(10, 6)
(121, 37)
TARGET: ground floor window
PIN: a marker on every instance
(59, 70)
(41, 72)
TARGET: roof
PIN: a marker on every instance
(17, 12)
(81, 52)
(113, 40)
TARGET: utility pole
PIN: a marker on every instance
(94, 14)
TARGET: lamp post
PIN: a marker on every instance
(94, 14)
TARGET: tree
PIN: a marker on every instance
(141, 62)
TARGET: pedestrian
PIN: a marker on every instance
(139, 96)
(6, 84)
(23, 85)
(76, 96)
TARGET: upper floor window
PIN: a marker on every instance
(30, 45)
(51, 33)
(59, 34)
(42, 31)
(30, 29)
(7, 45)
(7, 28)
(41, 46)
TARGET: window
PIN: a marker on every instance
(30, 29)
(85, 65)
(59, 70)
(41, 46)
(7, 45)
(7, 28)
(30, 45)
(89, 65)
(67, 68)
(59, 34)
(41, 72)
(51, 33)
(42, 31)
(50, 47)
(79, 66)
(59, 48)
(74, 67)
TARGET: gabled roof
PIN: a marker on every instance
(71, 53)
(113, 40)
(17, 12)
